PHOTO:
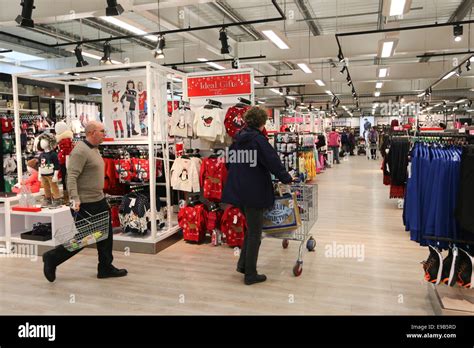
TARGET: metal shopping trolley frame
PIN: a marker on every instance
(372, 146)
(307, 198)
(87, 229)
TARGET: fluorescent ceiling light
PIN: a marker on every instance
(128, 27)
(17, 56)
(460, 101)
(261, 102)
(256, 82)
(421, 95)
(379, 85)
(290, 97)
(320, 83)
(274, 90)
(305, 68)
(214, 65)
(396, 7)
(272, 36)
(377, 94)
(95, 56)
(387, 47)
(382, 72)
(329, 92)
(448, 75)
(175, 79)
(217, 66)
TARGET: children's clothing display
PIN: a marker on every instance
(234, 119)
(185, 174)
(212, 178)
(234, 226)
(192, 219)
(135, 213)
(181, 123)
(209, 124)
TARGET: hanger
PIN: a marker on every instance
(213, 104)
(243, 102)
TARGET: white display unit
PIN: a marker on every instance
(157, 78)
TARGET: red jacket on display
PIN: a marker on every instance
(233, 226)
(65, 146)
(193, 222)
(212, 178)
(7, 125)
(214, 218)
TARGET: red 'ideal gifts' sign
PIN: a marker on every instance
(207, 86)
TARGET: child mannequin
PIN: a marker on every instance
(49, 170)
(64, 138)
(32, 182)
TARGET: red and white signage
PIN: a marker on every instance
(208, 86)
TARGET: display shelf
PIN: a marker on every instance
(167, 234)
(44, 212)
(35, 242)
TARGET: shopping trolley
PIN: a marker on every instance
(372, 146)
(307, 198)
(85, 230)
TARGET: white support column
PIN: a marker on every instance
(67, 104)
(151, 149)
(16, 109)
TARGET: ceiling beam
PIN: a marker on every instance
(223, 7)
(462, 11)
(308, 16)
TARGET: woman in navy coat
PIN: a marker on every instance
(249, 186)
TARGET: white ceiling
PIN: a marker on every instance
(68, 21)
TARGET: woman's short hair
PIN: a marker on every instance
(256, 117)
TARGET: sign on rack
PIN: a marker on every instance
(220, 85)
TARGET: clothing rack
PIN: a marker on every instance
(449, 240)
(245, 101)
(214, 103)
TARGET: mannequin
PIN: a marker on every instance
(49, 170)
(64, 139)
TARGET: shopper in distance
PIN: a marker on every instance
(250, 187)
(85, 183)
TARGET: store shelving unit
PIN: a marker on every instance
(157, 78)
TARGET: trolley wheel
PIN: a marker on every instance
(298, 268)
(311, 244)
(285, 243)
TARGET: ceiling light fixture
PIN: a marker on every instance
(344, 68)
(387, 47)
(225, 49)
(320, 83)
(80, 59)
(378, 85)
(113, 9)
(276, 91)
(458, 32)
(382, 72)
(396, 7)
(131, 28)
(106, 58)
(277, 40)
(159, 52)
(377, 94)
(340, 56)
(25, 19)
(265, 81)
(305, 68)
(468, 65)
(448, 75)
(329, 92)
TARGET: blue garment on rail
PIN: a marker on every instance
(431, 194)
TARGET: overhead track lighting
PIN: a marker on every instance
(26, 13)
(159, 50)
(107, 50)
(80, 59)
(265, 81)
(113, 9)
(225, 49)
(344, 68)
(468, 65)
(340, 56)
(458, 32)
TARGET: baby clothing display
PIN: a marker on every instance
(49, 169)
(185, 174)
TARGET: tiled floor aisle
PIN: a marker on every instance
(354, 209)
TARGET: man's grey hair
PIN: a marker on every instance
(91, 126)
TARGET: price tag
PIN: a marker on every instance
(235, 220)
(132, 202)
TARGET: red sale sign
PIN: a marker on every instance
(208, 86)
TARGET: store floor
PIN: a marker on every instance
(354, 209)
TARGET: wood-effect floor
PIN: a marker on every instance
(184, 279)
